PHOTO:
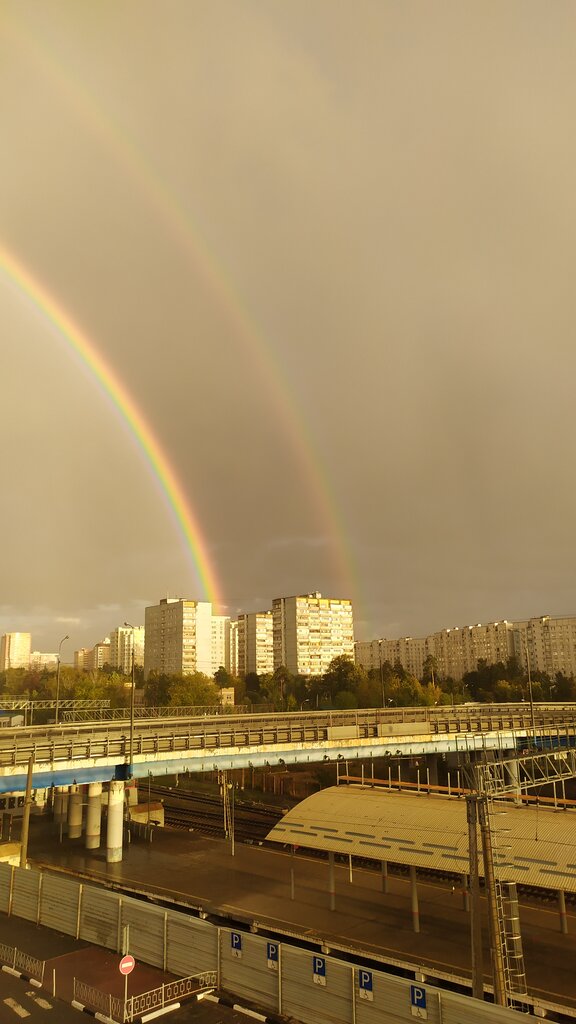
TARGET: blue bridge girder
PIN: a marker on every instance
(100, 751)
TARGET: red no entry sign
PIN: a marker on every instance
(127, 964)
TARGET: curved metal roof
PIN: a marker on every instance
(532, 845)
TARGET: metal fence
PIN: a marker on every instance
(141, 712)
(145, 1002)
(273, 973)
(20, 961)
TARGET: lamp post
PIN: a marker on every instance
(382, 683)
(57, 708)
(530, 691)
(132, 688)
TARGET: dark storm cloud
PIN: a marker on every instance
(365, 210)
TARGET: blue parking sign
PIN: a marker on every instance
(365, 985)
(236, 945)
(272, 956)
(319, 969)
(418, 1002)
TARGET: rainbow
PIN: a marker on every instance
(185, 229)
(79, 342)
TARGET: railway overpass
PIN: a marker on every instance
(118, 750)
(76, 759)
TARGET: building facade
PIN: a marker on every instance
(543, 644)
(255, 643)
(126, 641)
(309, 631)
(15, 650)
(178, 637)
(220, 642)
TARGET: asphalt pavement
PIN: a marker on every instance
(20, 1001)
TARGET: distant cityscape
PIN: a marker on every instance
(303, 633)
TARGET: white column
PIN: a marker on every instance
(64, 809)
(75, 812)
(93, 815)
(115, 822)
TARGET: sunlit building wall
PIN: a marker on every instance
(309, 631)
(220, 642)
(15, 650)
(123, 641)
(39, 661)
(178, 637)
(255, 643)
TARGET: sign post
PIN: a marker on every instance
(126, 966)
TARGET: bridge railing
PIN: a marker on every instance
(142, 712)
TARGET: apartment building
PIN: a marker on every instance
(545, 644)
(15, 650)
(255, 643)
(40, 661)
(309, 631)
(125, 642)
(408, 651)
(220, 642)
(178, 637)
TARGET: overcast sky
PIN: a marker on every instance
(329, 250)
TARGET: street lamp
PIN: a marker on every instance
(130, 626)
(382, 683)
(57, 708)
(530, 691)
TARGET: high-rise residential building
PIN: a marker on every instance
(99, 655)
(255, 643)
(81, 658)
(309, 631)
(547, 644)
(234, 647)
(544, 644)
(220, 642)
(15, 650)
(125, 640)
(178, 637)
(39, 661)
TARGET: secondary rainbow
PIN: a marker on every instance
(171, 488)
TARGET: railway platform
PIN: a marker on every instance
(256, 888)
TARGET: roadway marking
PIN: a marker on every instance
(42, 1003)
(19, 1010)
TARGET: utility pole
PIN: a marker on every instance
(26, 815)
(475, 906)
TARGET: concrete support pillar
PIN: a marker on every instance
(513, 775)
(562, 909)
(115, 822)
(93, 815)
(384, 876)
(414, 900)
(58, 805)
(331, 880)
(75, 812)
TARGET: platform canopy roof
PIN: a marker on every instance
(532, 845)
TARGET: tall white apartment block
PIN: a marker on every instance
(125, 640)
(233, 647)
(178, 637)
(309, 631)
(255, 643)
(99, 655)
(220, 642)
(15, 650)
(547, 644)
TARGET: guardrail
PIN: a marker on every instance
(145, 1002)
(142, 712)
(19, 961)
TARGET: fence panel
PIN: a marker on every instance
(392, 1000)
(59, 903)
(5, 883)
(246, 969)
(99, 917)
(315, 988)
(25, 894)
(146, 924)
(192, 945)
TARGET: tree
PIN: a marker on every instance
(195, 689)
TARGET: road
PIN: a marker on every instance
(20, 1001)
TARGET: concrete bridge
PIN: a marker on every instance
(75, 760)
(104, 751)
